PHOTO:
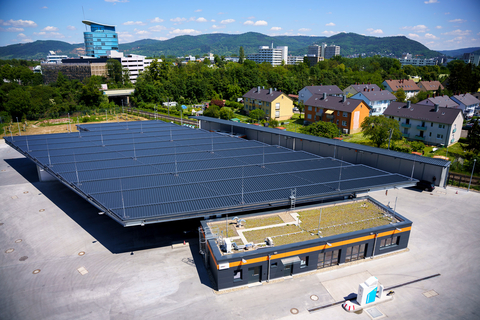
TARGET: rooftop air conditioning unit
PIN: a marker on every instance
(228, 246)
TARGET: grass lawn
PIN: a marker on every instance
(249, 223)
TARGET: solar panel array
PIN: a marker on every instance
(149, 171)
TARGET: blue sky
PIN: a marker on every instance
(438, 24)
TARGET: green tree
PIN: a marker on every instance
(321, 129)
(257, 114)
(212, 111)
(241, 55)
(473, 138)
(115, 71)
(226, 113)
(300, 107)
(417, 146)
(400, 94)
(377, 129)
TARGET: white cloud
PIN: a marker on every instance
(157, 28)
(457, 39)
(275, 28)
(375, 31)
(198, 10)
(160, 38)
(249, 22)
(21, 35)
(178, 20)
(331, 24)
(413, 35)
(141, 32)
(261, 23)
(457, 32)
(184, 31)
(13, 29)
(431, 1)
(218, 27)
(156, 20)
(71, 28)
(56, 35)
(41, 33)
(44, 7)
(132, 23)
(447, 13)
(201, 19)
(419, 28)
(227, 21)
(124, 35)
(116, 1)
(304, 29)
(457, 20)
(430, 36)
(19, 23)
(438, 27)
(213, 20)
(331, 33)
(222, 13)
(27, 40)
(251, 18)
(49, 28)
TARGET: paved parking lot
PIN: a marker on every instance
(90, 267)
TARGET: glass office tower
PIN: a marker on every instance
(100, 39)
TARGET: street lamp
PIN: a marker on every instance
(473, 169)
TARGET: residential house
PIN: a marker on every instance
(432, 125)
(409, 86)
(468, 103)
(376, 100)
(442, 101)
(356, 88)
(347, 114)
(309, 91)
(430, 86)
(276, 104)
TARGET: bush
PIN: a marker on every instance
(462, 140)
(417, 146)
(85, 119)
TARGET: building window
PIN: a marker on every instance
(274, 265)
(439, 136)
(309, 116)
(327, 259)
(345, 114)
(430, 134)
(303, 262)
(344, 123)
(391, 241)
(237, 276)
(356, 252)
(338, 121)
(431, 124)
(441, 126)
(338, 113)
(309, 108)
(277, 106)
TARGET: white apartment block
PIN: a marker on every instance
(417, 62)
(294, 60)
(134, 63)
(274, 56)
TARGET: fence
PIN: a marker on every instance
(462, 179)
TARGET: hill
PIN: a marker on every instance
(229, 44)
(458, 53)
(39, 49)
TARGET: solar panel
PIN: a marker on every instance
(152, 171)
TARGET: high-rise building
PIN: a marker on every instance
(330, 51)
(318, 53)
(100, 39)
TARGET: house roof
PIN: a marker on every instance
(321, 89)
(360, 87)
(431, 85)
(153, 171)
(333, 103)
(442, 101)
(467, 99)
(422, 112)
(376, 95)
(263, 94)
(406, 85)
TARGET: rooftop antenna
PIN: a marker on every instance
(413, 167)
(211, 136)
(175, 150)
(340, 175)
(18, 124)
(134, 151)
(123, 202)
(243, 202)
(28, 148)
(48, 152)
(76, 171)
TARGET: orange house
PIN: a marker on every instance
(347, 114)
